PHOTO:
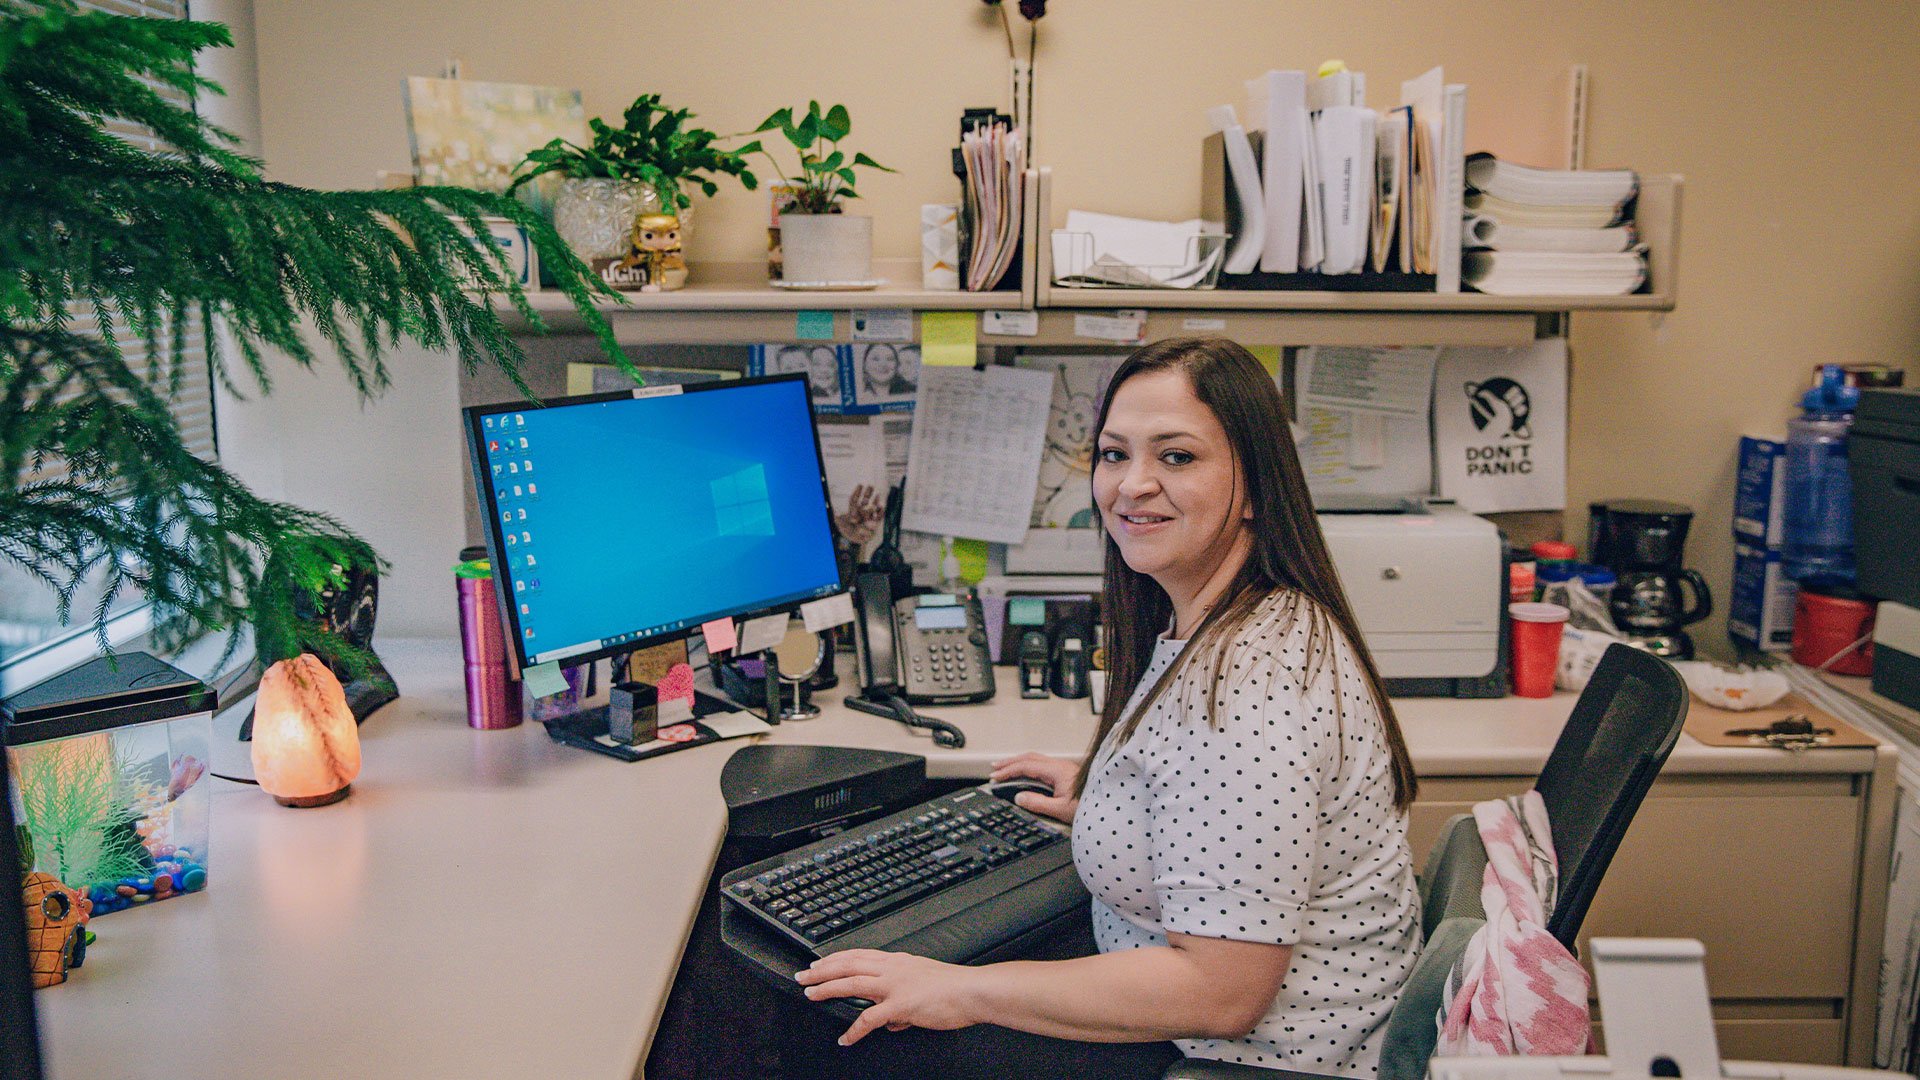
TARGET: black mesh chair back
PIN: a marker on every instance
(1621, 731)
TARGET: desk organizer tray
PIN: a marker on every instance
(713, 720)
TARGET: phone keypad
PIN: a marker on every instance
(944, 665)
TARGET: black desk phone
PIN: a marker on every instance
(931, 649)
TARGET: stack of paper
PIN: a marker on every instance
(996, 159)
(1532, 232)
(1342, 188)
(1101, 249)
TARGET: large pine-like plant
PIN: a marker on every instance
(96, 483)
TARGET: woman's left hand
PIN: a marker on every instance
(906, 990)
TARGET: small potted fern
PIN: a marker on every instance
(645, 166)
(819, 244)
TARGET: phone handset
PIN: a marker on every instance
(877, 655)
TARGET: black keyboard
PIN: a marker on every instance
(872, 886)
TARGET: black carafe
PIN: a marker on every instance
(1643, 541)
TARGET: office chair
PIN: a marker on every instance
(1622, 728)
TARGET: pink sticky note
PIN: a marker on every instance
(719, 635)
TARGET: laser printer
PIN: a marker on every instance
(1427, 581)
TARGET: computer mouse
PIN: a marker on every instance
(1007, 789)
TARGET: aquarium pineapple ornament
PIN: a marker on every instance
(306, 748)
(56, 928)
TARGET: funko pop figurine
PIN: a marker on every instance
(656, 250)
(56, 928)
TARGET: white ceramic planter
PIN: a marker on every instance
(822, 248)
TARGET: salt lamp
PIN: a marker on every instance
(306, 749)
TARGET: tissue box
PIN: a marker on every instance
(1760, 612)
(109, 760)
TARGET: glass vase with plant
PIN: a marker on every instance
(816, 243)
(645, 166)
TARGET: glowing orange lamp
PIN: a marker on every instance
(306, 748)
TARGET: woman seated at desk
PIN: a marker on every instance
(1241, 820)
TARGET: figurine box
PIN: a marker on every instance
(109, 767)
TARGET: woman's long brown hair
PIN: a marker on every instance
(1288, 552)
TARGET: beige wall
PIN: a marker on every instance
(1793, 124)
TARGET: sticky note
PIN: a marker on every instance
(813, 325)
(545, 680)
(827, 612)
(720, 636)
(1026, 611)
(1269, 357)
(763, 633)
(947, 338)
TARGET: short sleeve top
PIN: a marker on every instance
(1271, 819)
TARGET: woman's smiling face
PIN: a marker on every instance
(1166, 481)
(882, 364)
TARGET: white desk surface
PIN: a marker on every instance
(494, 904)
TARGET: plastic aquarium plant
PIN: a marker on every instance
(78, 795)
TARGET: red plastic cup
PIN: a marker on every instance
(1536, 647)
(1833, 632)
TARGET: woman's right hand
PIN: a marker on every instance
(1058, 773)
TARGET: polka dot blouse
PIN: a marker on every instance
(1271, 820)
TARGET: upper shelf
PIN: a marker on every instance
(731, 302)
(1658, 223)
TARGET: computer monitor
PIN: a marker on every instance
(618, 520)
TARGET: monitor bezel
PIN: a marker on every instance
(475, 416)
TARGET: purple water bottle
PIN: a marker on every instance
(493, 698)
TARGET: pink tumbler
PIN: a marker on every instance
(493, 698)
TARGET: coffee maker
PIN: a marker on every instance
(1642, 541)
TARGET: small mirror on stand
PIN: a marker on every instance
(799, 656)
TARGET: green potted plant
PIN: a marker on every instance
(818, 243)
(186, 249)
(641, 167)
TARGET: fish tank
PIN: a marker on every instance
(109, 763)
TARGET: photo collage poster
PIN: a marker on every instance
(860, 379)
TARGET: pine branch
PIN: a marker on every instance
(147, 241)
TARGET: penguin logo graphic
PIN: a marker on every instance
(1502, 403)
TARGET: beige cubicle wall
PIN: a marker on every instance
(1791, 122)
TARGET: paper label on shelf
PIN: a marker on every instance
(827, 612)
(1010, 323)
(763, 633)
(545, 680)
(1204, 325)
(882, 324)
(813, 325)
(947, 339)
(720, 635)
(663, 390)
(1127, 326)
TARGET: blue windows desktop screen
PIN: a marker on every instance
(621, 520)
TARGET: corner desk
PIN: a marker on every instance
(494, 904)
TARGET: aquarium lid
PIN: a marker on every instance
(118, 691)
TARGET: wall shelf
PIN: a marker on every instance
(731, 302)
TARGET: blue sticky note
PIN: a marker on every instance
(545, 680)
(1026, 611)
(813, 325)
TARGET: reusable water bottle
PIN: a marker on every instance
(1818, 524)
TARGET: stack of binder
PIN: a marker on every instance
(1321, 192)
(1558, 232)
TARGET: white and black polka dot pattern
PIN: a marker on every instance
(1272, 821)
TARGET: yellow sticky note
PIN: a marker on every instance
(1269, 357)
(947, 338)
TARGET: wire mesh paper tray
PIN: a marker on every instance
(1077, 263)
